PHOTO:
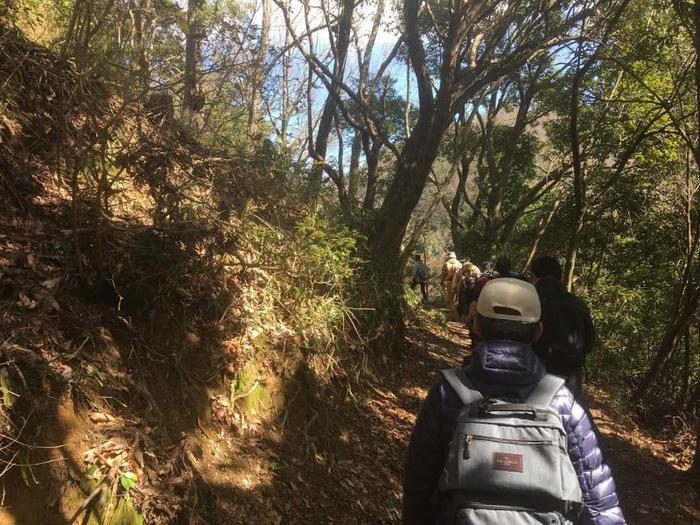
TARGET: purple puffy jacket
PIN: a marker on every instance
(502, 369)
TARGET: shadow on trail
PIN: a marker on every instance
(335, 453)
(441, 343)
(329, 459)
(651, 491)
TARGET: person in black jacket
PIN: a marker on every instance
(569, 333)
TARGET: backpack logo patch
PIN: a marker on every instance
(507, 462)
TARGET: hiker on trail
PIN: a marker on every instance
(500, 442)
(420, 276)
(472, 297)
(503, 267)
(568, 328)
(466, 277)
(449, 269)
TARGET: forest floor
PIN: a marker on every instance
(350, 469)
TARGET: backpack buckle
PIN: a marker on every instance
(573, 510)
(481, 410)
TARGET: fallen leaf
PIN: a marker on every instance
(26, 301)
(50, 284)
(100, 417)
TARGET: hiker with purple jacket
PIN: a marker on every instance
(502, 442)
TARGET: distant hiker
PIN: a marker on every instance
(420, 276)
(568, 328)
(449, 270)
(466, 278)
(451, 266)
(487, 274)
(503, 267)
(500, 442)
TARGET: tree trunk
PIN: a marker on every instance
(325, 123)
(372, 155)
(258, 74)
(570, 263)
(685, 385)
(455, 225)
(572, 251)
(689, 306)
(286, 96)
(695, 468)
(540, 233)
(192, 100)
(353, 174)
(138, 48)
(578, 166)
(410, 178)
(386, 232)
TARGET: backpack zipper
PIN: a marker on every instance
(483, 506)
(467, 441)
(470, 437)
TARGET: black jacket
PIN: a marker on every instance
(568, 334)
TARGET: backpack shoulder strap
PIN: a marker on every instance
(462, 385)
(545, 390)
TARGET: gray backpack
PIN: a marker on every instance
(508, 462)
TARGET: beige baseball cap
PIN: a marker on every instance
(510, 299)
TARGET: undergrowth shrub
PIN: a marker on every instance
(623, 336)
(299, 289)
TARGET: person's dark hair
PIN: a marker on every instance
(505, 329)
(546, 266)
(503, 266)
(417, 257)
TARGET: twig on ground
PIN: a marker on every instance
(84, 505)
(246, 393)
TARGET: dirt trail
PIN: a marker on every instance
(348, 469)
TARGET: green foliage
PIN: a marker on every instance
(93, 473)
(123, 514)
(301, 293)
(413, 297)
(26, 470)
(43, 21)
(387, 103)
(330, 250)
(441, 317)
(128, 481)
